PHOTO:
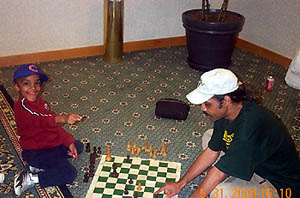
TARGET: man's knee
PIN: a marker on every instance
(206, 137)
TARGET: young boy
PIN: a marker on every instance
(46, 146)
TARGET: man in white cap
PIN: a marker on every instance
(258, 159)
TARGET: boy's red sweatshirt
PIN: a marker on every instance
(36, 126)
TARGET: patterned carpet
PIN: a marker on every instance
(119, 102)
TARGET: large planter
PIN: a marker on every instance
(210, 43)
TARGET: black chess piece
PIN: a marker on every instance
(91, 173)
(95, 152)
(88, 147)
(126, 190)
(86, 177)
(114, 173)
(92, 158)
(99, 150)
(128, 159)
(114, 166)
(135, 194)
(130, 180)
(92, 166)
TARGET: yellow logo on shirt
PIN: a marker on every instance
(228, 139)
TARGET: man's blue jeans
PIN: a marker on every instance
(58, 169)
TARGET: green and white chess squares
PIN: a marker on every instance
(149, 173)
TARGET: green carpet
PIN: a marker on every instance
(119, 102)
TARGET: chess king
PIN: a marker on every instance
(256, 150)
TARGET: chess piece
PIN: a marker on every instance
(164, 150)
(163, 147)
(95, 152)
(114, 173)
(88, 147)
(139, 188)
(126, 190)
(108, 156)
(92, 166)
(128, 148)
(134, 145)
(138, 151)
(154, 156)
(150, 153)
(99, 150)
(132, 150)
(150, 147)
(91, 173)
(150, 150)
(135, 195)
(145, 147)
(92, 158)
(86, 177)
(164, 154)
(130, 180)
(128, 159)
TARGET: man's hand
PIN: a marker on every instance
(170, 189)
(73, 152)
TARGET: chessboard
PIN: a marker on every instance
(136, 177)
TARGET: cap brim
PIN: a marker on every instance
(43, 77)
(196, 97)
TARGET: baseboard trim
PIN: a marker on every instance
(50, 55)
(131, 46)
(265, 53)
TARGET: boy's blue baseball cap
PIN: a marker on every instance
(27, 70)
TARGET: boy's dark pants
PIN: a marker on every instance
(58, 169)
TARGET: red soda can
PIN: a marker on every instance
(269, 83)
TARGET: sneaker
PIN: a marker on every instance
(22, 181)
(35, 170)
(2, 178)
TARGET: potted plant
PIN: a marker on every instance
(211, 35)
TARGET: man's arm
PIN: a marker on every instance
(212, 179)
(202, 163)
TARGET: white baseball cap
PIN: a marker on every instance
(214, 82)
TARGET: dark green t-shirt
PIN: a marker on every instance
(257, 142)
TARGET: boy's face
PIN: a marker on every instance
(29, 87)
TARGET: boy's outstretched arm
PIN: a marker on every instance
(70, 118)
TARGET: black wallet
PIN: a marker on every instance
(172, 109)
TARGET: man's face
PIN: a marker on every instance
(29, 87)
(213, 110)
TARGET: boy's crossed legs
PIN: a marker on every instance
(56, 168)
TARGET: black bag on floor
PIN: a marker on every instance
(172, 109)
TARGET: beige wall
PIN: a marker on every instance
(272, 24)
(28, 26)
